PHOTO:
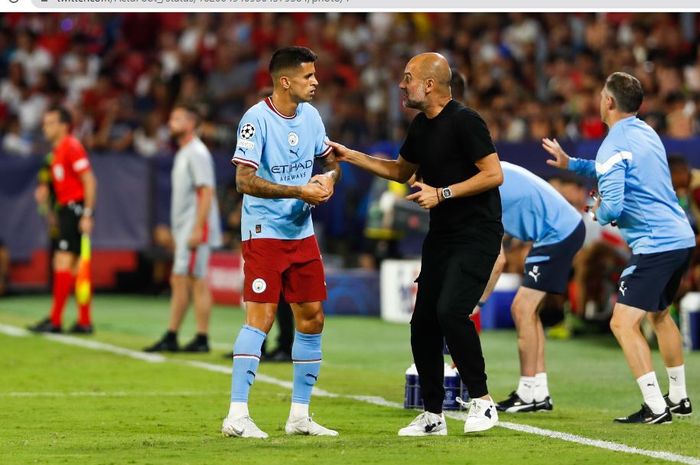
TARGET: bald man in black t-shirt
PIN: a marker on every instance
(461, 172)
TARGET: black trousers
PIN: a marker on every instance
(451, 282)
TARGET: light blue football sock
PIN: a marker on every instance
(306, 354)
(246, 358)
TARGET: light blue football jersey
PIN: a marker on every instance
(533, 210)
(634, 182)
(283, 150)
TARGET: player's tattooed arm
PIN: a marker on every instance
(331, 167)
(331, 174)
(247, 182)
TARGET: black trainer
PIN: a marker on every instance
(515, 404)
(45, 326)
(646, 416)
(197, 345)
(682, 409)
(77, 328)
(167, 343)
(544, 405)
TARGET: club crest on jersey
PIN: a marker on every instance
(247, 131)
(259, 286)
(293, 139)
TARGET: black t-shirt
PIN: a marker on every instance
(446, 149)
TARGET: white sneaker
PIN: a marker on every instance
(426, 424)
(306, 426)
(482, 415)
(243, 427)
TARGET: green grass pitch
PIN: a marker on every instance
(62, 404)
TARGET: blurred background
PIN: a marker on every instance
(529, 75)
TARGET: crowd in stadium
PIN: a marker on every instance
(530, 75)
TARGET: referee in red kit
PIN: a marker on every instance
(74, 187)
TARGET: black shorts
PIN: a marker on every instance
(650, 281)
(68, 239)
(548, 267)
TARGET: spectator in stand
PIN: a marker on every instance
(34, 59)
(11, 88)
(152, 137)
(32, 106)
(116, 132)
(681, 179)
(537, 73)
(13, 143)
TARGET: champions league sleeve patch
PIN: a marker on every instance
(247, 131)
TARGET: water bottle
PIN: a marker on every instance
(412, 396)
(452, 384)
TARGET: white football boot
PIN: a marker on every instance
(243, 427)
(308, 427)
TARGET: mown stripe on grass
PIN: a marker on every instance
(374, 400)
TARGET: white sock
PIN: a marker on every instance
(238, 410)
(526, 388)
(299, 410)
(651, 392)
(541, 388)
(676, 383)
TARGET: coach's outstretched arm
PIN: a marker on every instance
(398, 170)
(247, 182)
(563, 161)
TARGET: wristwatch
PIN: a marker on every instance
(446, 193)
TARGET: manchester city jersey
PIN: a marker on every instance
(282, 149)
(635, 185)
(533, 210)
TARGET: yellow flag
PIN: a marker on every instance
(83, 281)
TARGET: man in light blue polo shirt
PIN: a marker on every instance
(636, 192)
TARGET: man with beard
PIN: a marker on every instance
(279, 140)
(461, 172)
(194, 220)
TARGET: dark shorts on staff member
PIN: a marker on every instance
(650, 281)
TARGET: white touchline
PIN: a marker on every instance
(374, 400)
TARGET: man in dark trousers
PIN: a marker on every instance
(461, 172)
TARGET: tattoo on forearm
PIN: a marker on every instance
(331, 165)
(259, 187)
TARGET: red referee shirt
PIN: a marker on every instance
(69, 161)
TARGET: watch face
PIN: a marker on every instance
(446, 192)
